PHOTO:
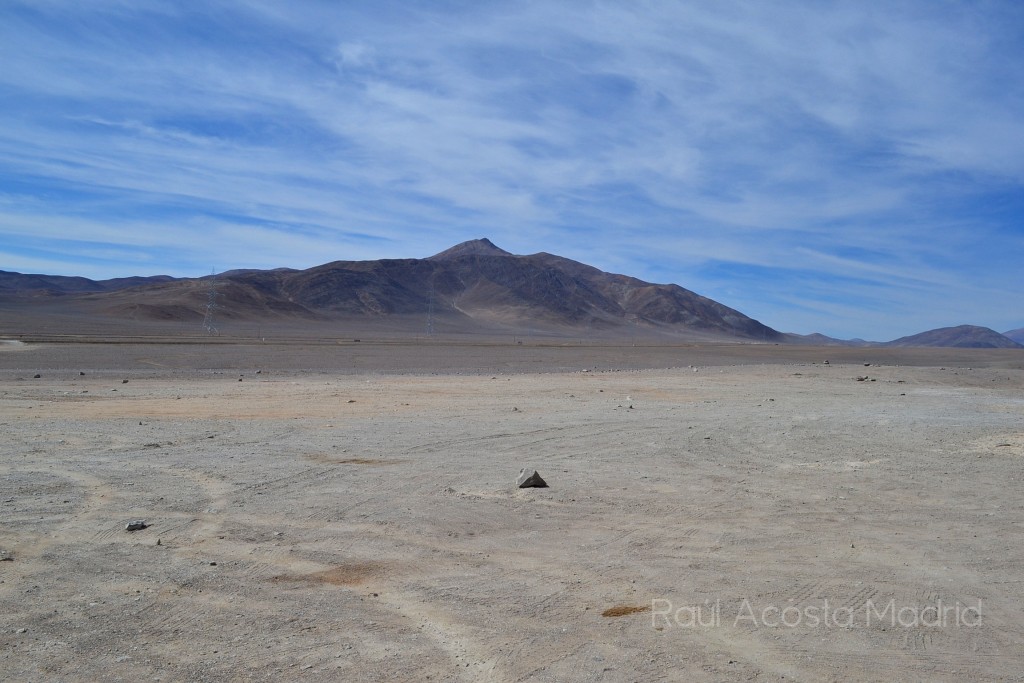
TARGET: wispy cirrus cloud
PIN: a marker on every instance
(850, 168)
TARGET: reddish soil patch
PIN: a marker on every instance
(624, 610)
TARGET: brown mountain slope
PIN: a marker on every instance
(476, 281)
(472, 286)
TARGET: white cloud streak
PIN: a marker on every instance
(786, 142)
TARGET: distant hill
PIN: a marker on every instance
(20, 283)
(1016, 335)
(963, 336)
(818, 339)
(471, 286)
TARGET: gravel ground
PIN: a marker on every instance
(351, 513)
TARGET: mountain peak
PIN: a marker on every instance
(480, 247)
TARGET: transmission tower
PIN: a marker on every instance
(430, 312)
(211, 305)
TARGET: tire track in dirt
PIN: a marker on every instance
(471, 660)
(924, 663)
(97, 498)
(169, 524)
(590, 429)
(468, 659)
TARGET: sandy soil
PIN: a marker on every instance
(359, 525)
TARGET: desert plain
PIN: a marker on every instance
(348, 512)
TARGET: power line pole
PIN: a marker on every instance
(430, 311)
(211, 305)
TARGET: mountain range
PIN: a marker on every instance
(473, 287)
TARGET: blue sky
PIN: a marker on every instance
(853, 168)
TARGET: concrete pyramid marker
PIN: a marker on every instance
(530, 478)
